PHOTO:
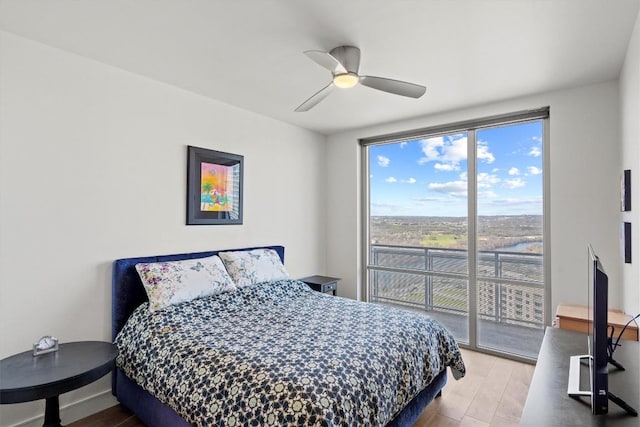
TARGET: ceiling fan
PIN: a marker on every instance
(343, 62)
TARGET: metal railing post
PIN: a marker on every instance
(497, 314)
(428, 280)
(372, 280)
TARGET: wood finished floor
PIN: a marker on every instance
(492, 394)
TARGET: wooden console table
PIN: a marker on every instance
(548, 403)
(574, 318)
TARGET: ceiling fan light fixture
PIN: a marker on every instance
(345, 80)
(343, 63)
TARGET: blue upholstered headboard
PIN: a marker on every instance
(127, 292)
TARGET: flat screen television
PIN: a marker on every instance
(599, 347)
(598, 291)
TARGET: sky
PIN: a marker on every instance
(428, 177)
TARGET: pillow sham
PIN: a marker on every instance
(173, 282)
(255, 266)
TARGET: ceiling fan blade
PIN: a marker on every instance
(326, 60)
(397, 87)
(316, 98)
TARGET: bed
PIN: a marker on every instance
(272, 353)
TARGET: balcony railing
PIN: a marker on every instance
(510, 284)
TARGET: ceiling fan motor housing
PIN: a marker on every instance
(348, 56)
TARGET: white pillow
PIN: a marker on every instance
(255, 266)
(173, 282)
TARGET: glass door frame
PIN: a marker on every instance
(472, 246)
(470, 127)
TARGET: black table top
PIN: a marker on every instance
(548, 403)
(24, 377)
(319, 280)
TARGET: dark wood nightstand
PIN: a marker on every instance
(26, 377)
(322, 284)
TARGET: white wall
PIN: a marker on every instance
(630, 125)
(93, 168)
(584, 172)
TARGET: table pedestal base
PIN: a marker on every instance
(52, 413)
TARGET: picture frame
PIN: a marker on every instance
(625, 191)
(214, 187)
(625, 241)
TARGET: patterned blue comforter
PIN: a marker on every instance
(281, 354)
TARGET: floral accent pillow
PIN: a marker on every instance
(255, 266)
(174, 282)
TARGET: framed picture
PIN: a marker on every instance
(625, 191)
(214, 187)
(625, 241)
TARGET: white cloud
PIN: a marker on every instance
(391, 179)
(383, 161)
(486, 194)
(513, 183)
(431, 149)
(494, 170)
(446, 167)
(452, 188)
(535, 152)
(486, 180)
(514, 171)
(449, 151)
(455, 151)
(458, 188)
(483, 153)
(409, 181)
(516, 202)
(434, 199)
(534, 170)
(402, 144)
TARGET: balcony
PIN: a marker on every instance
(510, 300)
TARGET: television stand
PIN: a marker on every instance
(573, 387)
(548, 403)
(616, 364)
(624, 405)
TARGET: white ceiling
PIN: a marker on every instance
(249, 53)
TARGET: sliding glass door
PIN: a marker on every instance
(510, 239)
(455, 229)
(418, 227)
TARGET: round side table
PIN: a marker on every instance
(26, 377)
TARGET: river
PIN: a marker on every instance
(519, 247)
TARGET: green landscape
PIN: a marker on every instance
(522, 233)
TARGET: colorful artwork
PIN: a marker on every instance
(216, 182)
(214, 187)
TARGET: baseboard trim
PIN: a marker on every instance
(77, 410)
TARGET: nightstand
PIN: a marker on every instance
(26, 377)
(322, 284)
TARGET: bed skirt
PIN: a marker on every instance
(152, 412)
